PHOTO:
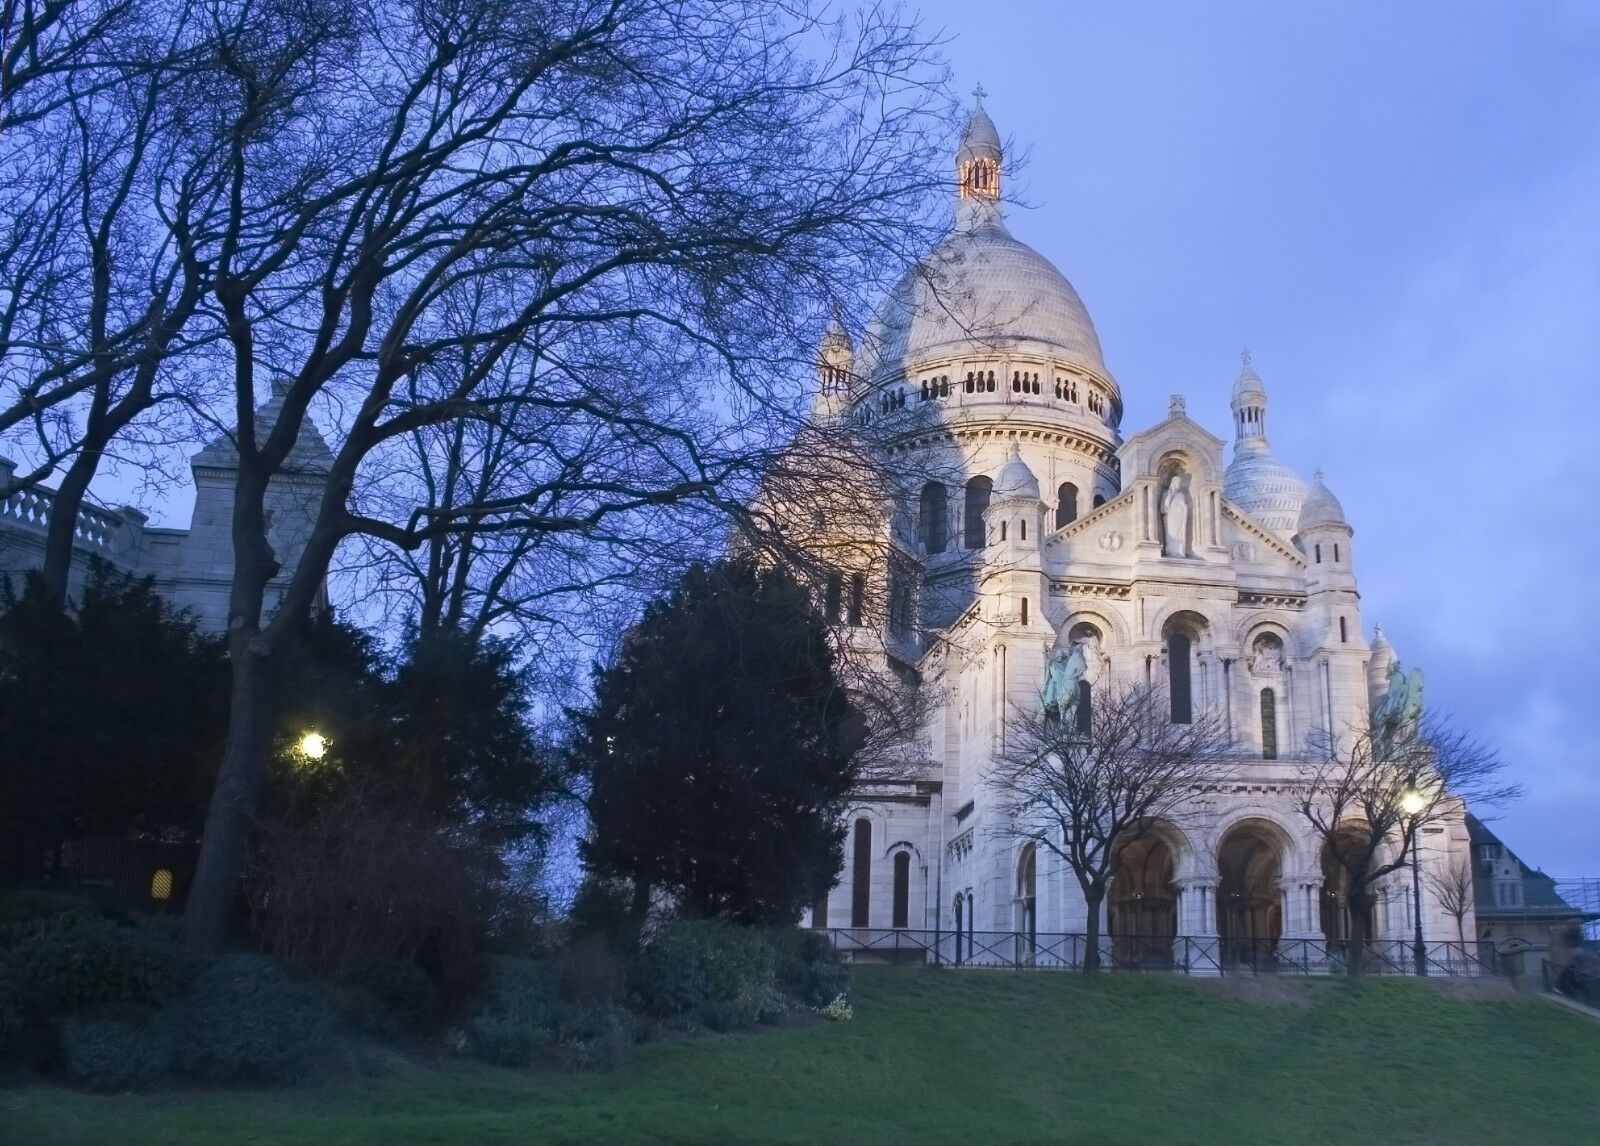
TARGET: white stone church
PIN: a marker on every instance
(1034, 525)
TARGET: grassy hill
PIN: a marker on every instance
(969, 1056)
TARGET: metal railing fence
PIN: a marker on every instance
(1183, 954)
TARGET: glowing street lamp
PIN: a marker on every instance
(1412, 802)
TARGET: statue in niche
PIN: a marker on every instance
(1175, 512)
(1266, 657)
(1395, 717)
(1058, 699)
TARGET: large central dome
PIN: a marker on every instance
(981, 288)
(980, 291)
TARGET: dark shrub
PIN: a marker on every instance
(93, 963)
(11, 1006)
(589, 972)
(597, 1038)
(519, 1016)
(35, 914)
(121, 1047)
(713, 973)
(247, 1018)
(402, 992)
(808, 968)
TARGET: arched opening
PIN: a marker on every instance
(832, 597)
(1142, 906)
(902, 889)
(1066, 504)
(979, 490)
(858, 598)
(1083, 713)
(1249, 895)
(1269, 724)
(935, 518)
(1179, 653)
(1027, 912)
(1336, 913)
(1182, 633)
(1024, 610)
(861, 874)
(1099, 500)
(960, 932)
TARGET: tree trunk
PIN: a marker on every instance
(639, 910)
(1356, 953)
(62, 530)
(233, 802)
(1092, 898)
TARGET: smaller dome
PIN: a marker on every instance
(1320, 508)
(1015, 478)
(1248, 385)
(979, 138)
(1267, 489)
(1380, 642)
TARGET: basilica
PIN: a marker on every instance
(1030, 524)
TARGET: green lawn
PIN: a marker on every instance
(967, 1056)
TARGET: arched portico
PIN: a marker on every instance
(1250, 899)
(1142, 902)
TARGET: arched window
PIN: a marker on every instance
(1318, 548)
(1269, 724)
(858, 595)
(972, 924)
(1084, 713)
(1002, 531)
(960, 931)
(1066, 504)
(1023, 526)
(1336, 553)
(832, 597)
(1344, 632)
(1025, 612)
(978, 492)
(1099, 500)
(1028, 895)
(902, 889)
(1178, 678)
(861, 875)
(935, 523)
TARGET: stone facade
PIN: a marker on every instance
(1030, 523)
(192, 567)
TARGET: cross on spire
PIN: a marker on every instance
(1244, 359)
(977, 96)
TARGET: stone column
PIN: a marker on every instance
(1197, 943)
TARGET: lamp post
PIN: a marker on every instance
(1411, 803)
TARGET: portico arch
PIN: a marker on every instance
(1142, 902)
(1337, 910)
(1250, 865)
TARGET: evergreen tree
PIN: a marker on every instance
(112, 712)
(721, 750)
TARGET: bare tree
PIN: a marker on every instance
(655, 174)
(97, 298)
(1452, 887)
(1084, 784)
(1374, 790)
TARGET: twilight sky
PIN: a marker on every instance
(1397, 208)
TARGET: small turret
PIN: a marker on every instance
(1383, 656)
(836, 359)
(1322, 533)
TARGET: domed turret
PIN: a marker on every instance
(1257, 482)
(1015, 478)
(1383, 655)
(1321, 508)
